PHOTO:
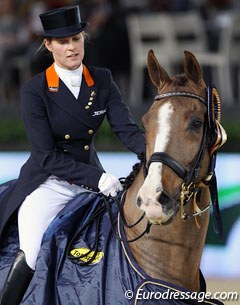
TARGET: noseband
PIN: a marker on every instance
(189, 187)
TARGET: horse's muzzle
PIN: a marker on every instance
(158, 210)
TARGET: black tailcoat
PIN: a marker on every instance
(61, 130)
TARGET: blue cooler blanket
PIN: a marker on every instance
(111, 278)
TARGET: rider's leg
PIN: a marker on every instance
(38, 211)
(17, 281)
(34, 216)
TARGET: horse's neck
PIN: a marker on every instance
(170, 252)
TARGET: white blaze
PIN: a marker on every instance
(152, 186)
(163, 133)
(161, 141)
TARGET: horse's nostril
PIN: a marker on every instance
(139, 201)
(164, 200)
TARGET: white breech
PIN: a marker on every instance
(38, 210)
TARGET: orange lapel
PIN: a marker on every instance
(53, 78)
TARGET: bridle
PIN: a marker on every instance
(168, 160)
(190, 187)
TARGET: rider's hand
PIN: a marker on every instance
(109, 185)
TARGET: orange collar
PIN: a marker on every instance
(53, 78)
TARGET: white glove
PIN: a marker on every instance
(109, 185)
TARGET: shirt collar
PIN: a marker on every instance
(66, 74)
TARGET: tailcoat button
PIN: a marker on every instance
(67, 136)
(87, 107)
(86, 147)
(90, 131)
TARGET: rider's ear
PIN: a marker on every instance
(48, 44)
(192, 68)
(157, 74)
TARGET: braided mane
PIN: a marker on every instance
(128, 181)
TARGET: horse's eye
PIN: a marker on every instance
(196, 124)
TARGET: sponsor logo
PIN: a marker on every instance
(85, 255)
(99, 112)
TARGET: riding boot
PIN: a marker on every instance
(17, 281)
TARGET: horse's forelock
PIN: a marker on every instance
(179, 80)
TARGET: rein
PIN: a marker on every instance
(108, 202)
(122, 218)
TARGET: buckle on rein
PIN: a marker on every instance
(187, 192)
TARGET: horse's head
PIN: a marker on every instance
(177, 142)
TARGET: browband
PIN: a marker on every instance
(181, 93)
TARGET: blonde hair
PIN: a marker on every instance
(43, 48)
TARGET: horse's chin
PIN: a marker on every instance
(161, 222)
(161, 218)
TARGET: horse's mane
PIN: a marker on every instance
(128, 181)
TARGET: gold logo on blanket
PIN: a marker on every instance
(86, 255)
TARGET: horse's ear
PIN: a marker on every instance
(192, 68)
(157, 74)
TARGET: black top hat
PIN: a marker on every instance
(62, 22)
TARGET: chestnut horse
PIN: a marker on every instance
(81, 261)
(171, 192)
